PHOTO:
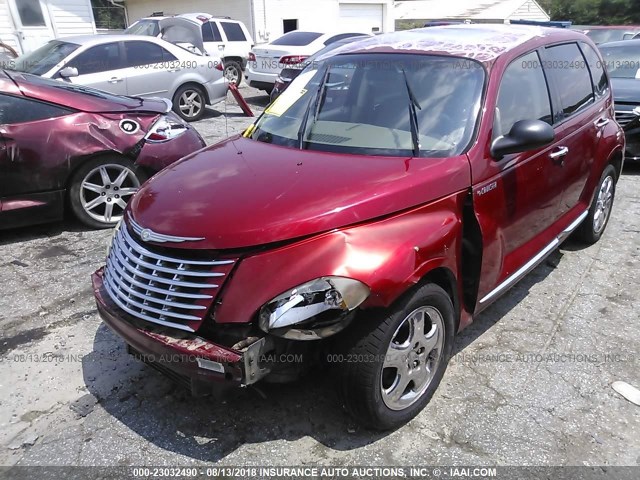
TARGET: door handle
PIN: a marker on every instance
(602, 122)
(558, 156)
(173, 70)
(115, 80)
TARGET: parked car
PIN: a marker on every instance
(266, 61)
(68, 145)
(219, 34)
(623, 63)
(287, 74)
(384, 200)
(611, 33)
(136, 66)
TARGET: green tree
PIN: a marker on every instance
(594, 12)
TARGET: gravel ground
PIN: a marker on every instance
(530, 383)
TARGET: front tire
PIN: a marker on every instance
(100, 189)
(394, 363)
(596, 221)
(190, 102)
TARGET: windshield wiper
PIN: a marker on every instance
(413, 116)
(316, 109)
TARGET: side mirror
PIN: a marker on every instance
(524, 135)
(69, 72)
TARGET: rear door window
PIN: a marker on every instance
(567, 68)
(524, 74)
(101, 58)
(146, 53)
(341, 36)
(210, 32)
(233, 31)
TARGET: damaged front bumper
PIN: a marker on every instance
(188, 359)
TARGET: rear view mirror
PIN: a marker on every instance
(524, 135)
(69, 72)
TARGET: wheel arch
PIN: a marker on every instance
(193, 83)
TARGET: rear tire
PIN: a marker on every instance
(233, 72)
(101, 188)
(393, 364)
(190, 102)
(594, 225)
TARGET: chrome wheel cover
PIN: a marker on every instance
(105, 191)
(191, 103)
(604, 201)
(412, 358)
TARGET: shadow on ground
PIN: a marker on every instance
(209, 429)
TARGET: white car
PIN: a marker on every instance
(266, 61)
(135, 66)
(220, 35)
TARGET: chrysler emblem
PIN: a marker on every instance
(148, 235)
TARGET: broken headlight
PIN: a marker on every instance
(167, 127)
(313, 310)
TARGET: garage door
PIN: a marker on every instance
(362, 17)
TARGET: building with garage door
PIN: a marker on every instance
(27, 24)
(268, 19)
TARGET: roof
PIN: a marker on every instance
(482, 42)
(463, 9)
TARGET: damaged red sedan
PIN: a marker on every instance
(393, 192)
(68, 145)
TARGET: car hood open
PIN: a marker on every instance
(242, 193)
(181, 32)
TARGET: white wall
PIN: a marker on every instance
(236, 9)
(7, 28)
(71, 17)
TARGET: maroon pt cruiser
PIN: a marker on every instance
(392, 193)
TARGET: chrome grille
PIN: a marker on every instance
(624, 118)
(158, 288)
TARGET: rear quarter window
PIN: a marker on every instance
(296, 39)
(210, 32)
(596, 68)
(567, 67)
(233, 31)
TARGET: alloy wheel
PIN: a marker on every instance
(191, 103)
(231, 74)
(413, 356)
(603, 205)
(105, 191)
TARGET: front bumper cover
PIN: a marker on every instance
(185, 357)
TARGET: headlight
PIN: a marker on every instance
(166, 128)
(116, 229)
(313, 310)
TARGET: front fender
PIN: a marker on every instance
(389, 255)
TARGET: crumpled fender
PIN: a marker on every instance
(389, 255)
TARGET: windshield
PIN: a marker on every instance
(378, 104)
(144, 27)
(622, 62)
(42, 60)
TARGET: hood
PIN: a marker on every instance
(181, 31)
(626, 90)
(242, 193)
(83, 98)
